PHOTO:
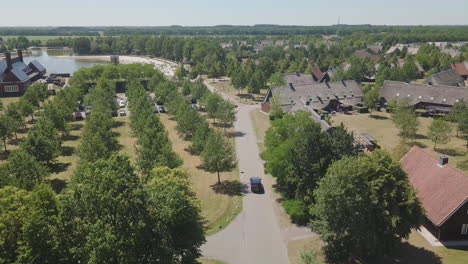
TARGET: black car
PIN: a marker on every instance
(256, 185)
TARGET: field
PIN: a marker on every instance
(43, 39)
(243, 97)
(218, 207)
(383, 129)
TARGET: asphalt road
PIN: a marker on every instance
(255, 235)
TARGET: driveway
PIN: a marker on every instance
(255, 235)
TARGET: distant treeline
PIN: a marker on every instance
(451, 32)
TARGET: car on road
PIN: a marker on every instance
(122, 112)
(78, 116)
(256, 185)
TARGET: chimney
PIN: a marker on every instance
(8, 61)
(291, 87)
(343, 82)
(443, 160)
(20, 55)
(297, 74)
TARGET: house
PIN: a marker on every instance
(435, 99)
(364, 141)
(461, 69)
(443, 192)
(449, 77)
(412, 49)
(302, 91)
(16, 76)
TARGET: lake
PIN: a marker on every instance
(59, 65)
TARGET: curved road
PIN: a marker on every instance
(255, 235)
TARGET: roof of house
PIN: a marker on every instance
(448, 77)
(20, 70)
(299, 78)
(416, 93)
(294, 96)
(461, 68)
(441, 189)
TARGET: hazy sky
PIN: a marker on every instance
(238, 12)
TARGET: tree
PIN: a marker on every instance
(218, 155)
(372, 99)
(181, 72)
(212, 102)
(16, 118)
(82, 45)
(26, 109)
(188, 119)
(456, 115)
(24, 171)
(406, 120)
(200, 137)
(276, 79)
(174, 205)
(239, 79)
(43, 142)
(364, 206)
(257, 82)
(6, 131)
(439, 132)
(226, 113)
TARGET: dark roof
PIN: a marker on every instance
(299, 78)
(442, 190)
(37, 65)
(318, 95)
(449, 77)
(417, 93)
(255, 180)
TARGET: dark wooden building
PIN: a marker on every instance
(16, 76)
(434, 99)
(443, 192)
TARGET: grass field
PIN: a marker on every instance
(218, 208)
(382, 128)
(226, 87)
(126, 139)
(8, 100)
(261, 124)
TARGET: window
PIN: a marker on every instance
(464, 229)
(11, 88)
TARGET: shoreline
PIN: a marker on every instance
(165, 66)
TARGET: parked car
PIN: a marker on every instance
(122, 112)
(78, 116)
(256, 185)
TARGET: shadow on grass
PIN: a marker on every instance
(4, 155)
(58, 185)
(68, 151)
(118, 124)
(70, 137)
(231, 188)
(75, 127)
(420, 136)
(59, 167)
(406, 253)
(378, 117)
(419, 144)
(450, 152)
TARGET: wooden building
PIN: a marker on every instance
(443, 192)
(16, 76)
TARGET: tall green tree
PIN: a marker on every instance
(406, 120)
(372, 99)
(364, 206)
(439, 132)
(24, 171)
(43, 142)
(218, 155)
(6, 130)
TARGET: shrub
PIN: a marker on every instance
(296, 211)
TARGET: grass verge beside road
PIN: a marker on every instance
(225, 86)
(219, 209)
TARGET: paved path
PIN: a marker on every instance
(254, 236)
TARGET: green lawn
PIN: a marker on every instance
(382, 128)
(243, 97)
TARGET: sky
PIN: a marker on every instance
(232, 12)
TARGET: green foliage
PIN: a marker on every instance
(296, 210)
(6, 131)
(82, 45)
(257, 82)
(276, 79)
(309, 257)
(372, 99)
(440, 132)
(364, 206)
(218, 154)
(226, 113)
(43, 142)
(200, 137)
(406, 120)
(276, 109)
(23, 171)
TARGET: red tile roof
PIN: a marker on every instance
(441, 190)
(461, 68)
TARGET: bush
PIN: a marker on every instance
(296, 211)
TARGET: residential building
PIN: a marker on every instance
(448, 77)
(435, 99)
(16, 76)
(443, 192)
(304, 91)
(461, 69)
